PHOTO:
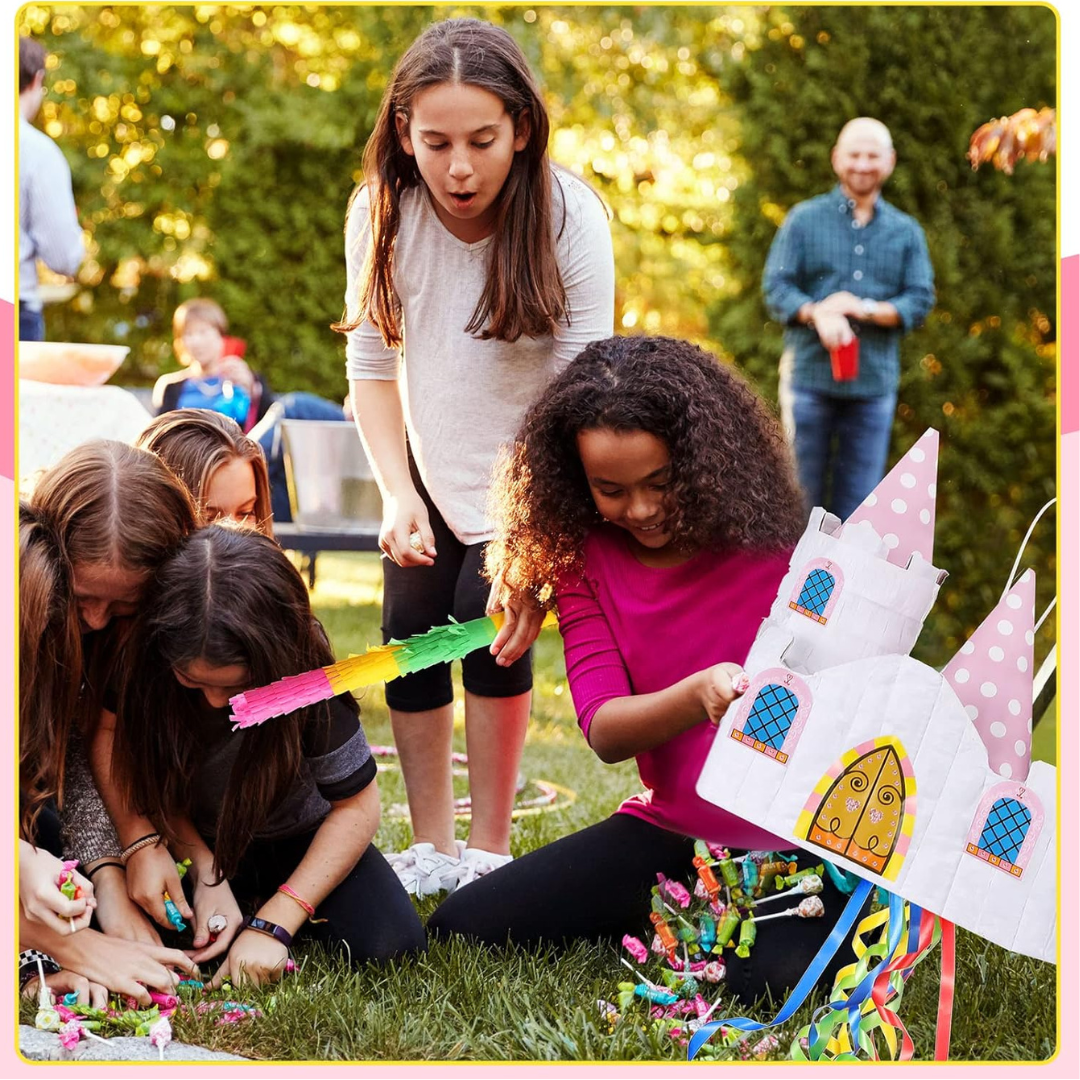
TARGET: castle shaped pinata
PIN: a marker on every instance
(919, 780)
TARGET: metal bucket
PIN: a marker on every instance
(331, 485)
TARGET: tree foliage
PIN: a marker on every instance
(982, 369)
(214, 148)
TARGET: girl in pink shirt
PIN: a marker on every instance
(651, 484)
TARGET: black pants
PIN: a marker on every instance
(595, 884)
(417, 598)
(369, 915)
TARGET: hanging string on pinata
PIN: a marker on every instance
(381, 663)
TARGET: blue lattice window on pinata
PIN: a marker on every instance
(772, 715)
(816, 590)
(1005, 828)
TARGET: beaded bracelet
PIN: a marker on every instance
(143, 841)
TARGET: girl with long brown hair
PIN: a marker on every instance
(486, 269)
(279, 817)
(224, 470)
(652, 489)
(91, 534)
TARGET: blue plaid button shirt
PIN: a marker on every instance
(821, 249)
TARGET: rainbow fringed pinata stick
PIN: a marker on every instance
(381, 663)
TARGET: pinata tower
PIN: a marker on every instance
(918, 780)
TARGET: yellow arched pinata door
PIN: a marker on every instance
(864, 807)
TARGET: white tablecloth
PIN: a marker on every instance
(53, 419)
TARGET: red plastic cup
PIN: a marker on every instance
(845, 361)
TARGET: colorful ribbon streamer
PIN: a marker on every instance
(805, 984)
(381, 663)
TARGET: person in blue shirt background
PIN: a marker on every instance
(846, 264)
(49, 227)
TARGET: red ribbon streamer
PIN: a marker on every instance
(948, 986)
(882, 990)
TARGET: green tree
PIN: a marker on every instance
(982, 369)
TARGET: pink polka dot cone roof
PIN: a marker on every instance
(992, 676)
(901, 507)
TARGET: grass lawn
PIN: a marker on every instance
(466, 1002)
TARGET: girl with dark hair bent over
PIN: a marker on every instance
(279, 817)
(652, 488)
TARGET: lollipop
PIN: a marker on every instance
(810, 908)
(808, 886)
(161, 1036)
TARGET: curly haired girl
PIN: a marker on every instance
(651, 487)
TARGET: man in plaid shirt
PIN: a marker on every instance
(846, 264)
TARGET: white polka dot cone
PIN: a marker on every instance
(992, 677)
(901, 507)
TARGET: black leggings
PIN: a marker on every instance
(595, 884)
(369, 915)
(416, 598)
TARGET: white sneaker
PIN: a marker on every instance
(424, 871)
(475, 863)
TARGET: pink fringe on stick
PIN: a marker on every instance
(294, 692)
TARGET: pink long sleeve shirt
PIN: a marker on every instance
(633, 629)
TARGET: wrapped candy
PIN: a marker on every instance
(749, 873)
(161, 1035)
(747, 937)
(164, 1001)
(635, 948)
(663, 931)
(785, 882)
(66, 883)
(706, 932)
(172, 912)
(730, 873)
(654, 994)
(675, 891)
(768, 871)
(726, 929)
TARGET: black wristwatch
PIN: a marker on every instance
(253, 922)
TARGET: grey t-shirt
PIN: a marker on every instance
(465, 397)
(337, 763)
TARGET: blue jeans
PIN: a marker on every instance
(841, 445)
(298, 406)
(31, 324)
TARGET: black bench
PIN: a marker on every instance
(310, 542)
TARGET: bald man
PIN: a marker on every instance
(843, 265)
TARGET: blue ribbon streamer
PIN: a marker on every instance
(803, 986)
(862, 991)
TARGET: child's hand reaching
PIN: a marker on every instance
(62, 983)
(719, 686)
(255, 957)
(213, 900)
(151, 872)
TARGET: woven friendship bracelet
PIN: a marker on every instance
(143, 841)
